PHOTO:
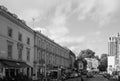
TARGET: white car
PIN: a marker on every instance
(74, 75)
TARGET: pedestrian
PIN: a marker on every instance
(119, 76)
(82, 79)
(33, 77)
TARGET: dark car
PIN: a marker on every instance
(84, 72)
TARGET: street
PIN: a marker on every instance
(95, 78)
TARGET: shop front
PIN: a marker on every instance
(12, 68)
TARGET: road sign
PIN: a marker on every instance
(80, 65)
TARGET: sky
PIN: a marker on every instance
(76, 24)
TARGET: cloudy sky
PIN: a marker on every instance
(76, 24)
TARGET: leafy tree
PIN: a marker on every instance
(97, 57)
(76, 64)
(103, 62)
(103, 56)
(102, 68)
(87, 53)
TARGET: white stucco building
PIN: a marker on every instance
(114, 50)
(111, 64)
(92, 63)
(16, 44)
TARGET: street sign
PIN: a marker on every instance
(80, 65)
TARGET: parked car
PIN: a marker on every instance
(84, 72)
(73, 75)
(107, 75)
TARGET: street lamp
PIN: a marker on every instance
(45, 65)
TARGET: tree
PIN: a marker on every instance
(86, 54)
(103, 62)
(97, 57)
(103, 56)
(104, 59)
(76, 64)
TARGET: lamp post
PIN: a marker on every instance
(33, 19)
(45, 66)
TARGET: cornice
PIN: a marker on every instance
(39, 33)
(13, 18)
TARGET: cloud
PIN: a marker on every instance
(98, 10)
(42, 30)
(98, 32)
(57, 28)
(75, 49)
(101, 11)
(71, 40)
(29, 14)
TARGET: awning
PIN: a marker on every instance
(14, 64)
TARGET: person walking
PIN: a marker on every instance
(118, 76)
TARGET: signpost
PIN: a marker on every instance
(80, 66)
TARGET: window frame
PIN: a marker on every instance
(28, 40)
(10, 32)
(9, 54)
(20, 36)
(28, 54)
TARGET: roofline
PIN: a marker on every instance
(72, 53)
(14, 19)
(50, 40)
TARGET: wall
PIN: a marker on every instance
(4, 24)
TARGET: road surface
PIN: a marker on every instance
(95, 78)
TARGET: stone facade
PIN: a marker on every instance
(16, 38)
(72, 59)
(114, 50)
(19, 43)
(48, 55)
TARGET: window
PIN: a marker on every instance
(28, 40)
(39, 43)
(20, 49)
(20, 54)
(19, 36)
(40, 56)
(10, 32)
(10, 49)
(28, 54)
